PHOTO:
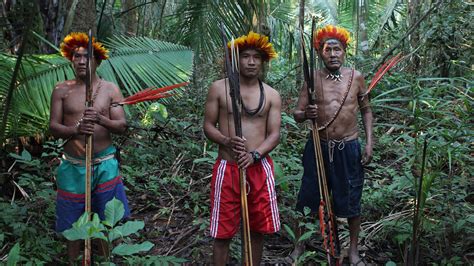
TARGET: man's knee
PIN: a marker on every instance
(221, 243)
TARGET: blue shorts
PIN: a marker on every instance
(345, 176)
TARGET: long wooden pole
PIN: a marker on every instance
(89, 146)
(232, 69)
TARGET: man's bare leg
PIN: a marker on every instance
(221, 251)
(354, 229)
(257, 247)
(73, 250)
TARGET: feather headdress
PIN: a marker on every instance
(80, 39)
(332, 32)
(258, 42)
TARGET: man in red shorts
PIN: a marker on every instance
(261, 120)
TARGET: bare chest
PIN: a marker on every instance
(252, 106)
(331, 94)
(74, 101)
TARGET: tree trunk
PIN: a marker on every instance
(83, 18)
(299, 70)
(413, 16)
(130, 18)
(363, 38)
(53, 14)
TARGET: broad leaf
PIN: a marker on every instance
(127, 249)
(114, 212)
(128, 228)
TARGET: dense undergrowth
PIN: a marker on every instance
(167, 162)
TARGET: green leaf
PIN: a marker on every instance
(390, 263)
(84, 229)
(76, 233)
(305, 236)
(26, 155)
(278, 170)
(14, 255)
(114, 212)
(290, 232)
(128, 228)
(127, 249)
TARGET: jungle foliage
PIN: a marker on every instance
(167, 161)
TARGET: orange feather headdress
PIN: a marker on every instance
(332, 32)
(258, 42)
(80, 39)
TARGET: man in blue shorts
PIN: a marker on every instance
(71, 120)
(339, 96)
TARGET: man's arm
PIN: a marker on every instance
(367, 119)
(56, 126)
(303, 110)
(273, 126)
(211, 116)
(116, 123)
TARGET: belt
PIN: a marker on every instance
(76, 161)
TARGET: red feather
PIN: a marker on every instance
(382, 70)
(150, 94)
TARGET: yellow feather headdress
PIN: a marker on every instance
(258, 42)
(80, 39)
(332, 32)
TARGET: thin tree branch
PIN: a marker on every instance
(132, 8)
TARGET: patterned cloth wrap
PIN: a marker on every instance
(106, 183)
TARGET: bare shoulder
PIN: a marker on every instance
(217, 88)
(358, 75)
(271, 92)
(61, 88)
(109, 86)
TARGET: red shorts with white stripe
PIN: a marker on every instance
(225, 198)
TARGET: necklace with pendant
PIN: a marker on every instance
(335, 75)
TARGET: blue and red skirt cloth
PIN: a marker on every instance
(106, 183)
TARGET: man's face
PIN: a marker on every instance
(79, 60)
(250, 63)
(333, 54)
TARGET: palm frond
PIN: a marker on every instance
(134, 64)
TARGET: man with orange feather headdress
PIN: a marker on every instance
(71, 120)
(261, 118)
(338, 98)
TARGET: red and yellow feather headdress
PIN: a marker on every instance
(80, 39)
(332, 32)
(258, 42)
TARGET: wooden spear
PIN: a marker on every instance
(327, 221)
(231, 65)
(89, 146)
